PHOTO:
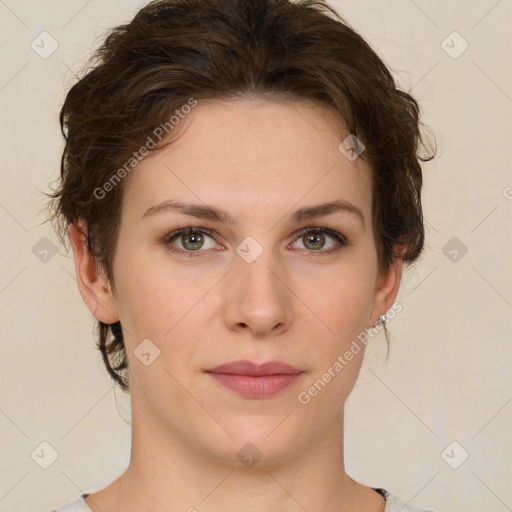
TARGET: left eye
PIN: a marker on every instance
(315, 237)
(192, 240)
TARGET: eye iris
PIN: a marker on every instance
(195, 237)
(313, 238)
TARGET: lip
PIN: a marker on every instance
(256, 380)
(245, 367)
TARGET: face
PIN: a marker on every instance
(268, 279)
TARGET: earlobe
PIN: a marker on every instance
(93, 286)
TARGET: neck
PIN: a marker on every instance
(170, 470)
(167, 471)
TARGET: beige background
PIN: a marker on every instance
(448, 375)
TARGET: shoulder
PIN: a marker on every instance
(77, 505)
(394, 504)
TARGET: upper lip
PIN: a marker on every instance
(245, 367)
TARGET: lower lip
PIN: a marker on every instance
(256, 387)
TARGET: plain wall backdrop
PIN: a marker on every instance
(445, 392)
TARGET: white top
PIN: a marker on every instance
(393, 504)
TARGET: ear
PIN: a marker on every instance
(93, 285)
(386, 290)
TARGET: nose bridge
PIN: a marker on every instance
(256, 267)
(259, 299)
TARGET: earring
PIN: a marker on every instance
(381, 322)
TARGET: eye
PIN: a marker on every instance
(191, 240)
(314, 240)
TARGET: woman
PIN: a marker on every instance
(241, 187)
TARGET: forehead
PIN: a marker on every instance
(253, 157)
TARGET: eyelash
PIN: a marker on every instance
(341, 239)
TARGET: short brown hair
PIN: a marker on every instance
(174, 50)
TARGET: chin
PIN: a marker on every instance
(254, 440)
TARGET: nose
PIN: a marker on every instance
(257, 297)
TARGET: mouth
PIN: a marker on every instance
(256, 380)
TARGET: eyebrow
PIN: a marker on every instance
(202, 211)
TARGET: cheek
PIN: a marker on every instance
(344, 296)
(141, 292)
(157, 304)
(343, 303)
(156, 294)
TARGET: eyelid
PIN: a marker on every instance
(322, 229)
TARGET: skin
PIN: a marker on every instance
(260, 160)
